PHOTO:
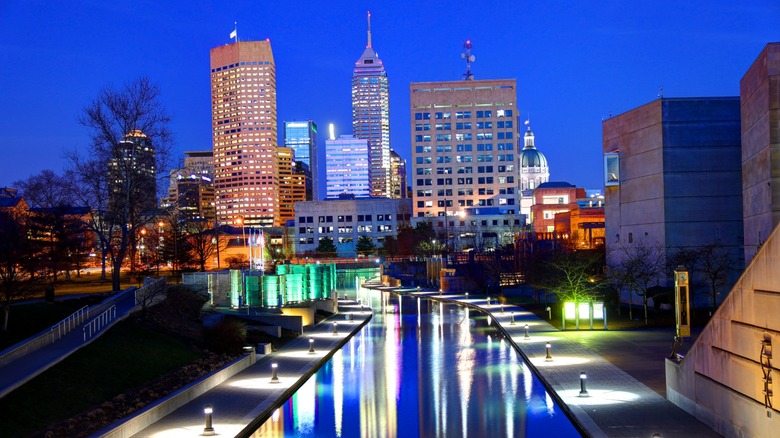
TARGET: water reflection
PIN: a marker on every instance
(420, 368)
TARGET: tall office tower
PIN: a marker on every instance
(243, 114)
(347, 169)
(132, 177)
(533, 172)
(191, 187)
(302, 138)
(371, 115)
(397, 176)
(292, 185)
(463, 146)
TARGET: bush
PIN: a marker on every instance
(227, 336)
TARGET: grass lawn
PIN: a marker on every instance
(123, 359)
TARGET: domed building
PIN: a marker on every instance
(533, 172)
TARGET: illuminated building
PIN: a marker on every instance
(243, 108)
(191, 188)
(463, 146)
(131, 171)
(347, 167)
(302, 138)
(292, 184)
(398, 187)
(371, 115)
(550, 199)
(534, 171)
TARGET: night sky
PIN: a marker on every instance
(575, 63)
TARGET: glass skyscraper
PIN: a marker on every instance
(346, 161)
(301, 137)
(371, 115)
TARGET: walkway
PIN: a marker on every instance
(617, 404)
(25, 368)
(241, 402)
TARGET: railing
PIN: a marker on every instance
(98, 323)
(64, 327)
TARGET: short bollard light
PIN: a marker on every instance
(335, 330)
(274, 377)
(311, 345)
(502, 307)
(209, 429)
(488, 301)
(349, 317)
(549, 357)
(527, 336)
(467, 295)
(583, 386)
(346, 297)
(512, 320)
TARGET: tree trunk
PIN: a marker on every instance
(6, 312)
(631, 305)
(645, 304)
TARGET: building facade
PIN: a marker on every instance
(398, 181)
(301, 137)
(463, 146)
(292, 183)
(550, 199)
(760, 108)
(132, 174)
(191, 187)
(534, 171)
(371, 115)
(347, 167)
(243, 114)
(344, 221)
(673, 178)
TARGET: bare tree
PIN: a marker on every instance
(716, 263)
(203, 240)
(640, 265)
(15, 250)
(130, 142)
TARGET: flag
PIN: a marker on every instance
(234, 33)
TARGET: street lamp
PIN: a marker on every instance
(160, 240)
(141, 247)
(240, 221)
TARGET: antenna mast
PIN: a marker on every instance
(469, 59)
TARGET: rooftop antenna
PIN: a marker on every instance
(369, 30)
(469, 59)
(661, 92)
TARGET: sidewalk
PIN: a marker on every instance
(244, 401)
(25, 368)
(617, 405)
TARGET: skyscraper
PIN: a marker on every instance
(398, 188)
(301, 137)
(371, 115)
(132, 175)
(292, 185)
(463, 140)
(243, 114)
(346, 163)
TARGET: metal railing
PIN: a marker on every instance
(65, 326)
(99, 322)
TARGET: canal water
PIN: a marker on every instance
(421, 369)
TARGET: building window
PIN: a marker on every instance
(611, 169)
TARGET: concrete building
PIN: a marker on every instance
(476, 229)
(583, 224)
(302, 138)
(463, 146)
(346, 220)
(534, 171)
(673, 178)
(347, 167)
(550, 199)
(292, 183)
(371, 115)
(243, 114)
(398, 182)
(760, 108)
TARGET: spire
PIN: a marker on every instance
(369, 29)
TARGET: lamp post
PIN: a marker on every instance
(583, 387)
(209, 429)
(160, 240)
(141, 247)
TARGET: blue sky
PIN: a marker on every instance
(575, 62)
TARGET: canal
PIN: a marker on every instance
(421, 368)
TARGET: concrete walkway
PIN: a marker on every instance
(617, 405)
(25, 368)
(244, 401)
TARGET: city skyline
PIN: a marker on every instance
(574, 64)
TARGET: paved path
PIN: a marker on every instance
(241, 402)
(32, 364)
(618, 405)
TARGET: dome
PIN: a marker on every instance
(530, 156)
